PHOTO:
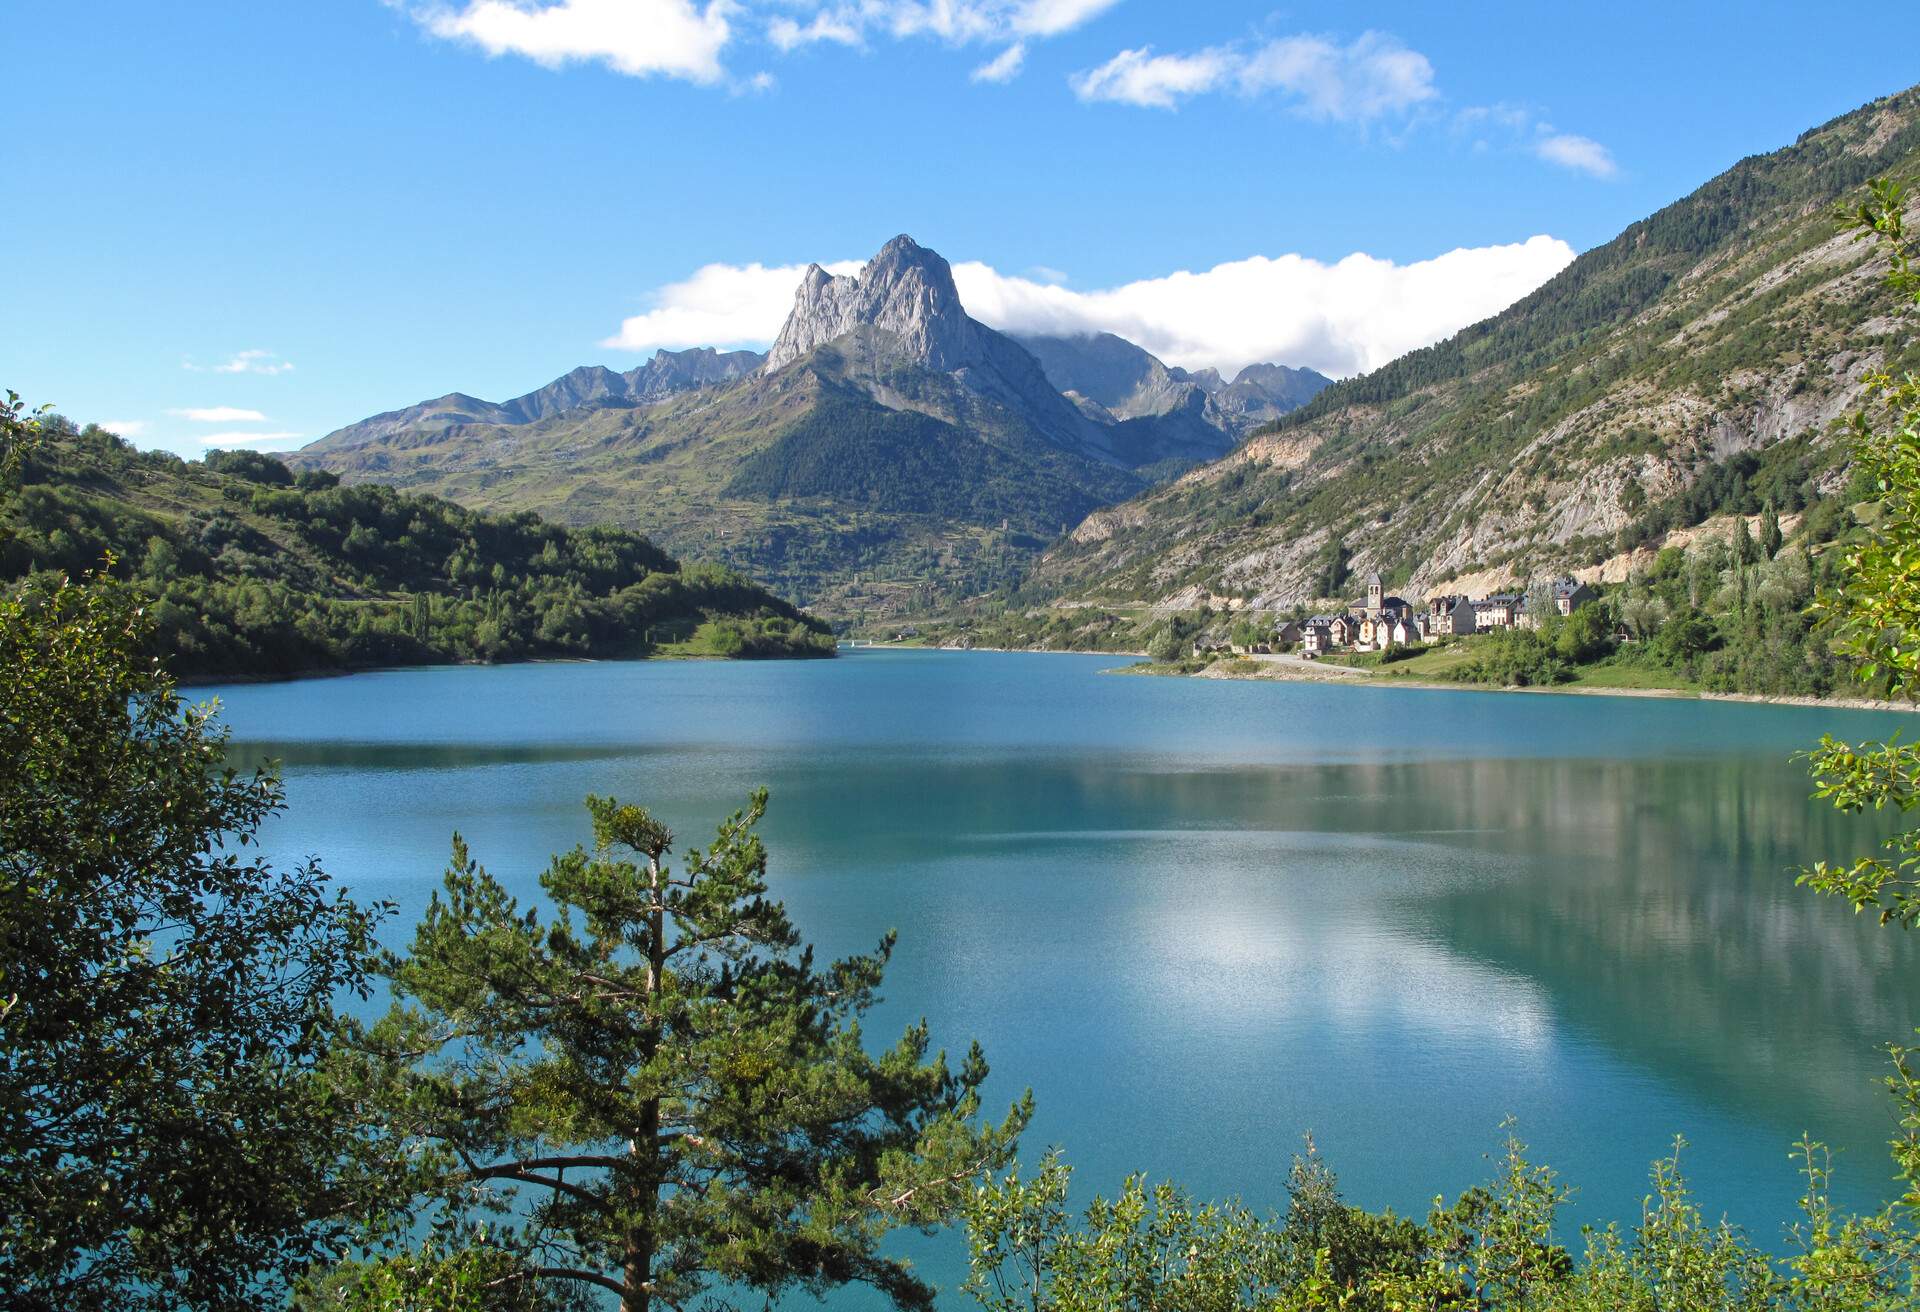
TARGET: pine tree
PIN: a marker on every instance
(655, 1087)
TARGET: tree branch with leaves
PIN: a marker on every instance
(1875, 616)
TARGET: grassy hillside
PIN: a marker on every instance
(257, 572)
(1692, 366)
(800, 479)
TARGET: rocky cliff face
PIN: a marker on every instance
(1261, 393)
(1124, 380)
(897, 329)
(1109, 375)
(672, 372)
(905, 292)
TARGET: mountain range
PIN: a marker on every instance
(891, 452)
(1110, 380)
(589, 386)
(888, 450)
(1698, 363)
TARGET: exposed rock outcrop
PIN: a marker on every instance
(906, 291)
(1131, 383)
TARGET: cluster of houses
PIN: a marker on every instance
(1382, 622)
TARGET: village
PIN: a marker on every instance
(1382, 623)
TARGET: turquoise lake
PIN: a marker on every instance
(1201, 919)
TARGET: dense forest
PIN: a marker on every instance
(251, 570)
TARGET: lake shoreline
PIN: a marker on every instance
(1275, 672)
(1354, 677)
(338, 672)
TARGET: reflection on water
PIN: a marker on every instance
(1200, 920)
(1661, 911)
(299, 755)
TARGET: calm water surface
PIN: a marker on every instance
(1201, 919)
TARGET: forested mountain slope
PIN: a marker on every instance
(889, 450)
(255, 572)
(1693, 365)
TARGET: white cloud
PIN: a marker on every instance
(689, 40)
(639, 38)
(1474, 118)
(1003, 67)
(827, 25)
(218, 414)
(127, 428)
(244, 362)
(720, 305)
(1342, 318)
(1371, 77)
(248, 439)
(1582, 154)
(1140, 77)
(1514, 127)
(1052, 17)
(960, 22)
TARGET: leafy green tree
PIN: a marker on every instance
(164, 994)
(653, 1090)
(1676, 1258)
(468, 1274)
(1685, 636)
(1875, 617)
(1498, 1240)
(1324, 1238)
(1585, 635)
(1771, 537)
(1147, 1250)
(1876, 621)
(19, 434)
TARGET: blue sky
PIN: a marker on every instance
(385, 200)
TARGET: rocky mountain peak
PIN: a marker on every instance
(905, 291)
